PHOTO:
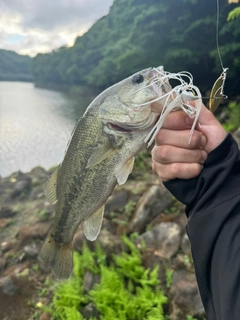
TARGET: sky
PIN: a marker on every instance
(38, 26)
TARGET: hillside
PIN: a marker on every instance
(179, 34)
(15, 67)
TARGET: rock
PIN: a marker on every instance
(7, 212)
(116, 202)
(186, 245)
(4, 223)
(8, 245)
(7, 286)
(90, 311)
(184, 296)
(2, 264)
(40, 174)
(37, 193)
(236, 136)
(22, 185)
(89, 280)
(183, 261)
(153, 202)
(37, 231)
(45, 316)
(16, 269)
(31, 250)
(163, 238)
(109, 242)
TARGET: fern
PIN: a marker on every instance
(87, 259)
(130, 265)
(127, 291)
(233, 14)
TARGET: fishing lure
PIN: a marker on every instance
(217, 94)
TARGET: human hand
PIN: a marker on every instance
(173, 157)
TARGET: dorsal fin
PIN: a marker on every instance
(51, 187)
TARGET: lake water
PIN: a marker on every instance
(35, 126)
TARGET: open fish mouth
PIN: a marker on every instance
(118, 127)
(133, 126)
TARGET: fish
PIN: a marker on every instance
(99, 156)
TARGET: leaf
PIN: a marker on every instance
(235, 13)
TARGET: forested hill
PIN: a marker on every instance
(178, 34)
(15, 67)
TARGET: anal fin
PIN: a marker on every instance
(92, 225)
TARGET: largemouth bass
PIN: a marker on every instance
(99, 156)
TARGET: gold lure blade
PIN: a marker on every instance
(216, 94)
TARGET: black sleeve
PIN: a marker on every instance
(213, 209)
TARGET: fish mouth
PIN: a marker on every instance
(118, 127)
(130, 127)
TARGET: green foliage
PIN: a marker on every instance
(233, 117)
(191, 318)
(129, 207)
(233, 14)
(15, 67)
(126, 291)
(179, 34)
(169, 277)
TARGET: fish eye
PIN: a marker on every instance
(137, 78)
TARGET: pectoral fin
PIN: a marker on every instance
(102, 152)
(92, 225)
(51, 188)
(123, 170)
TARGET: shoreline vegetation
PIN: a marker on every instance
(142, 248)
(72, 90)
(135, 35)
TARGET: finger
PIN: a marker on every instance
(180, 139)
(169, 154)
(176, 121)
(176, 170)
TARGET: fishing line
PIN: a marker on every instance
(217, 35)
(217, 93)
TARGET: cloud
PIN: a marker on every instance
(29, 27)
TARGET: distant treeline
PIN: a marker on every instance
(15, 67)
(178, 34)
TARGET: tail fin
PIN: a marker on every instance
(57, 256)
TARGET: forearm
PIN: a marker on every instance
(213, 209)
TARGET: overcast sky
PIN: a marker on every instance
(32, 26)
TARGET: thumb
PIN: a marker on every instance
(210, 128)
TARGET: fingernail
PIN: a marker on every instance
(203, 141)
(204, 156)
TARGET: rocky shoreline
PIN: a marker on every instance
(142, 206)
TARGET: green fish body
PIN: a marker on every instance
(100, 155)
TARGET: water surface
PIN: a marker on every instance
(35, 126)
